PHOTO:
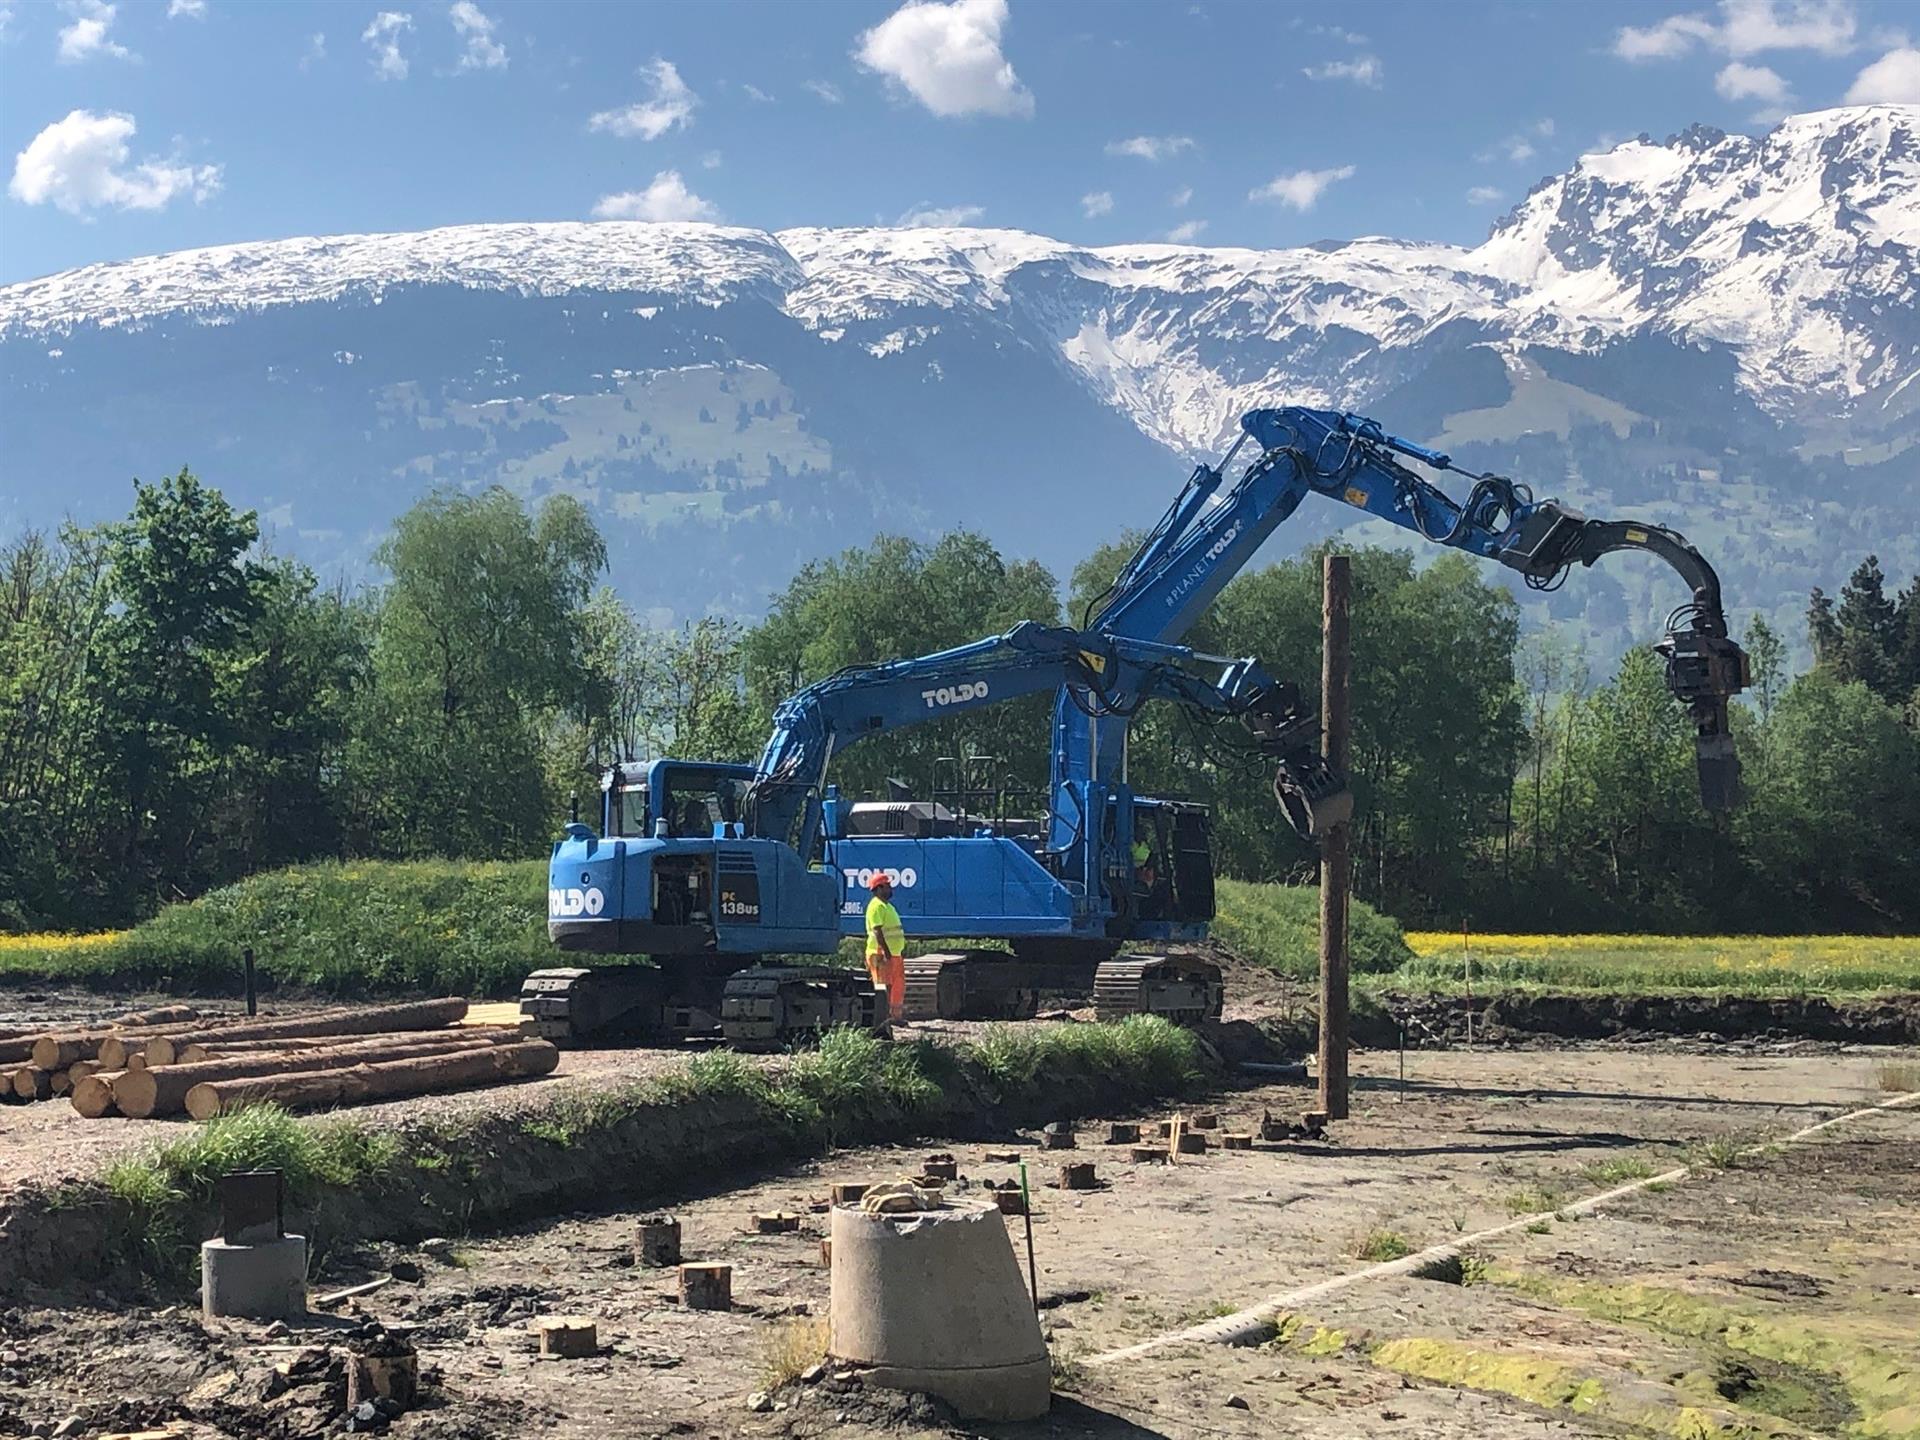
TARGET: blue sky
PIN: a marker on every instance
(152, 125)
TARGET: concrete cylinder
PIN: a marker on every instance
(263, 1281)
(934, 1301)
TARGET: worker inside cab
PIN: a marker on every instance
(1147, 892)
(886, 945)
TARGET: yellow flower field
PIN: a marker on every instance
(1657, 962)
(53, 940)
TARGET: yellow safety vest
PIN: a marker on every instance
(883, 919)
(1142, 852)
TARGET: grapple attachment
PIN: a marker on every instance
(1704, 672)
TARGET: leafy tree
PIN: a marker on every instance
(478, 651)
(898, 599)
(1832, 833)
(184, 596)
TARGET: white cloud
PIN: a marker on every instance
(1096, 204)
(1745, 27)
(1150, 147)
(1738, 81)
(826, 90)
(316, 50)
(710, 160)
(6, 17)
(1484, 195)
(1364, 70)
(929, 217)
(1516, 148)
(1750, 26)
(383, 38)
(1303, 188)
(482, 52)
(755, 93)
(1670, 37)
(81, 163)
(1893, 79)
(90, 33)
(1186, 232)
(190, 9)
(667, 198)
(1335, 32)
(1178, 200)
(669, 106)
(947, 56)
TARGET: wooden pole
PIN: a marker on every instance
(1335, 855)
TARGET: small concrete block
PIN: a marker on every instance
(941, 1167)
(267, 1281)
(1119, 1134)
(1010, 1200)
(1205, 1120)
(775, 1222)
(1078, 1176)
(1149, 1154)
(848, 1192)
(706, 1286)
(566, 1337)
(1233, 1141)
(1193, 1144)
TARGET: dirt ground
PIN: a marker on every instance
(1775, 1293)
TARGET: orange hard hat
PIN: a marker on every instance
(881, 881)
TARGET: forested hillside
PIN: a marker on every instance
(180, 707)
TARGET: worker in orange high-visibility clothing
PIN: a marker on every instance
(886, 942)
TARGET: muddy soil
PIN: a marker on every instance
(1797, 1278)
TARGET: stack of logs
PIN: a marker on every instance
(172, 1061)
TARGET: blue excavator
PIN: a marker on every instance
(708, 868)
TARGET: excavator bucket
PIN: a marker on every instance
(1313, 795)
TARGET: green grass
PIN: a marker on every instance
(851, 1087)
(1278, 926)
(351, 929)
(1382, 1245)
(371, 928)
(1636, 964)
(1618, 1170)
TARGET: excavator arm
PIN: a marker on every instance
(1104, 672)
(1215, 525)
(1353, 460)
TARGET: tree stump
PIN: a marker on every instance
(848, 1192)
(1192, 1143)
(1057, 1136)
(775, 1222)
(1205, 1120)
(1150, 1154)
(1078, 1176)
(706, 1287)
(373, 1374)
(1122, 1134)
(941, 1167)
(1010, 1199)
(566, 1337)
(1232, 1141)
(657, 1243)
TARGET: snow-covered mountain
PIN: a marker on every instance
(1719, 330)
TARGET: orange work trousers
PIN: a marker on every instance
(889, 973)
